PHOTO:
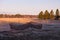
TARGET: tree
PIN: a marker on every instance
(46, 15)
(57, 14)
(51, 14)
(40, 16)
(12, 16)
(1, 15)
(6, 15)
(17, 15)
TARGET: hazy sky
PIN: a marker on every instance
(28, 6)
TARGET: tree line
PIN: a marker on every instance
(49, 15)
(41, 15)
(9, 16)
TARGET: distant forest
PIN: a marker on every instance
(17, 16)
(41, 15)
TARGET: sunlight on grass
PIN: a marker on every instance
(18, 20)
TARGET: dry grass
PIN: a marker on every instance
(18, 20)
(24, 20)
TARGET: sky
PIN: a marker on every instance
(28, 7)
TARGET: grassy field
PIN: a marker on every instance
(17, 20)
(25, 20)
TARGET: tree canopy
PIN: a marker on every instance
(40, 15)
(46, 15)
(51, 14)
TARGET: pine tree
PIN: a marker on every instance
(51, 14)
(40, 16)
(46, 15)
(57, 14)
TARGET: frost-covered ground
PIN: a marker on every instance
(33, 30)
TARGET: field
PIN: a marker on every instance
(25, 20)
(11, 29)
(17, 20)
